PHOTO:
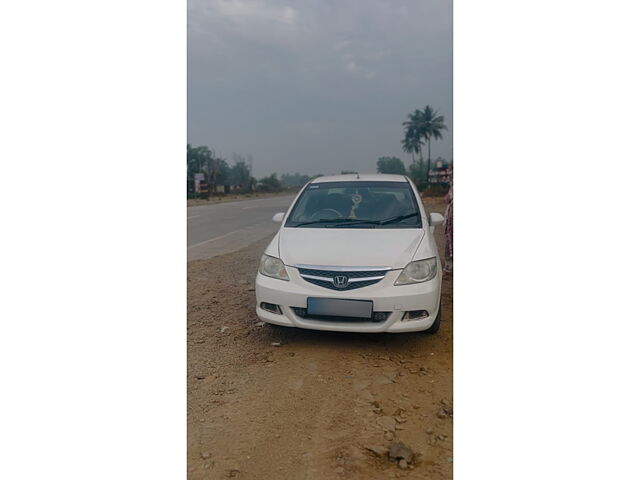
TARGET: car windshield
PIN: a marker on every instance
(356, 205)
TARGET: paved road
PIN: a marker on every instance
(226, 227)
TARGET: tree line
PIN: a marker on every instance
(237, 176)
(217, 171)
(421, 127)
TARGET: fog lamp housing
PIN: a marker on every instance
(415, 315)
(271, 307)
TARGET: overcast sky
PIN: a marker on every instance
(316, 86)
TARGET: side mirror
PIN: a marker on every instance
(278, 217)
(436, 219)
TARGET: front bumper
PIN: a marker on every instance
(386, 297)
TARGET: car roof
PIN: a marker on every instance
(361, 177)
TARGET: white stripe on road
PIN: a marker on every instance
(247, 208)
(193, 216)
(214, 239)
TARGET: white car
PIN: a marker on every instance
(355, 253)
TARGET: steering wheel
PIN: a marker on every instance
(317, 215)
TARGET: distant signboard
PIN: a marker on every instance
(198, 178)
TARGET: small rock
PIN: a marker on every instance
(399, 451)
(275, 344)
(259, 324)
(367, 397)
(379, 450)
(444, 402)
(429, 431)
(387, 423)
(442, 414)
(388, 436)
(339, 470)
(382, 380)
(403, 464)
(205, 455)
(448, 410)
(224, 329)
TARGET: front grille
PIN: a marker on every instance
(377, 317)
(355, 279)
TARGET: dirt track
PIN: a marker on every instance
(310, 407)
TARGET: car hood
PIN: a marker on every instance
(392, 247)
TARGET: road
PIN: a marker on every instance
(226, 227)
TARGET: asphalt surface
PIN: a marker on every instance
(226, 227)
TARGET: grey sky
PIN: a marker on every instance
(316, 86)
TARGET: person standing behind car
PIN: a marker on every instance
(448, 232)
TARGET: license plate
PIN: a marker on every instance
(339, 307)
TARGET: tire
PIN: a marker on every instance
(436, 325)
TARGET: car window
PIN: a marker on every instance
(329, 203)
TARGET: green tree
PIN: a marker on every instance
(240, 175)
(424, 124)
(418, 173)
(270, 184)
(391, 165)
(294, 179)
(412, 144)
(196, 158)
(216, 172)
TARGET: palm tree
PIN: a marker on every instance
(412, 144)
(427, 124)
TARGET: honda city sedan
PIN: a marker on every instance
(354, 253)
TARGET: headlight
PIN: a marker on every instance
(418, 271)
(273, 267)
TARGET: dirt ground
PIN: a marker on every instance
(278, 403)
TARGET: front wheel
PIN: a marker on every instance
(436, 325)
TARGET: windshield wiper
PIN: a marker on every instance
(399, 218)
(355, 221)
(385, 221)
(314, 222)
(347, 222)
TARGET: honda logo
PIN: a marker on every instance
(340, 281)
